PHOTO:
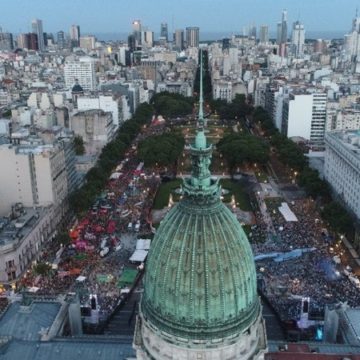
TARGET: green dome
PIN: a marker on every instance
(200, 280)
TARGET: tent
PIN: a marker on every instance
(127, 278)
(287, 213)
(139, 256)
(143, 244)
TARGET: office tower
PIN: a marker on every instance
(284, 29)
(147, 38)
(298, 39)
(87, 42)
(179, 39)
(37, 28)
(192, 36)
(252, 31)
(131, 42)
(304, 115)
(164, 31)
(136, 27)
(75, 35)
(282, 34)
(6, 41)
(81, 71)
(32, 41)
(22, 41)
(60, 38)
(264, 34)
(278, 33)
(225, 43)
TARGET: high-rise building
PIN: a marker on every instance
(200, 296)
(298, 39)
(136, 28)
(282, 34)
(278, 33)
(60, 37)
(37, 28)
(192, 36)
(75, 35)
(304, 115)
(179, 39)
(284, 27)
(81, 71)
(264, 34)
(164, 34)
(252, 32)
(28, 41)
(147, 38)
(6, 41)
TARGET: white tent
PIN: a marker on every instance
(287, 213)
(138, 256)
(143, 244)
(115, 175)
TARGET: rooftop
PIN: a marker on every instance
(29, 323)
(12, 231)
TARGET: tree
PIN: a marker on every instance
(172, 105)
(337, 217)
(42, 269)
(163, 149)
(79, 145)
(239, 149)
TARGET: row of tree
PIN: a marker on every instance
(239, 149)
(290, 154)
(111, 155)
(163, 150)
(237, 109)
(172, 105)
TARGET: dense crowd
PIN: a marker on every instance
(313, 275)
(102, 241)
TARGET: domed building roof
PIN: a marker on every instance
(200, 281)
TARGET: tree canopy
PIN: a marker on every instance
(111, 155)
(237, 109)
(172, 105)
(239, 149)
(162, 149)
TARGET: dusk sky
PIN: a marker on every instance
(105, 16)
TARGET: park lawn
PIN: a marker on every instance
(237, 190)
(163, 193)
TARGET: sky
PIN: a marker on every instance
(115, 16)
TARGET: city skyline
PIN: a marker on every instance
(113, 17)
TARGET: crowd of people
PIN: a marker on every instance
(314, 274)
(102, 241)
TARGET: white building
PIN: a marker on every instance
(35, 175)
(223, 90)
(342, 166)
(102, 102)
(304, 115)
(298, 39)
(37, 28)
(82, 70)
